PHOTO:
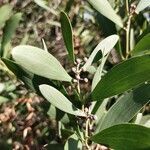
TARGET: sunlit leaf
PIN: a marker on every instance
(40, 62)
(142, 5)
(124, 137)
(105, 46)
(98, 74)
(57, 99)
(67, 34)
(104, 7)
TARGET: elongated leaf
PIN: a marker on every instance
(73, 143)
(101, 110)
(124, 137)
(142, 5)
(20, 73)
(57, 99)
(143, 46)
(105, 8)
(5, 12)
(105, 46)
(123, 77)
(30, 80)
(67, 34)
(106, 25)
(127, 107)
(58, 115)
(40, 62)
(98, 74)
(9, 30)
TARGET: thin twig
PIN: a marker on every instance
(87, 133)
(127, 6)
(128, 36)
(128, 29)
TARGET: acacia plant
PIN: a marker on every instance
(86, 118)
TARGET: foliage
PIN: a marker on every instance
(90, 119)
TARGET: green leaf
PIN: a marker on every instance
(106, 25)
(57, 99)
(91, 69)
(124, 137)
(123, 77)
(30, 80)
(104, 7)
(5, 12)
(142, 5)
(105, 46)
(40, 62)
(9, 30)
(20, 73)
(101, 111)
(67, 34)
(98, 74)
(58, 115)
(127, 107)
(73, 143)
(143, 46)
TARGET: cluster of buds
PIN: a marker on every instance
(132, 9)
(78, 69)
(92, 119)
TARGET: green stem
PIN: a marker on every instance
(78, 80)
(87, 133)
(128, 36)
(127, 6)
(128, 29)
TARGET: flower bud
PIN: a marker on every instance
(86, 80)
(78, 60)
(74, 69)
